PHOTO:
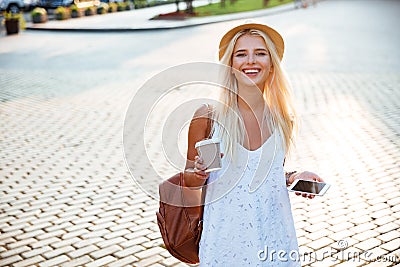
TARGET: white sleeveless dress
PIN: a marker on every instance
(247, 216)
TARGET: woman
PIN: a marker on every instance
(247, 218)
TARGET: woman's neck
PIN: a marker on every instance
(251, 100)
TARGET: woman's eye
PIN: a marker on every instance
(261, 54)
(241, 55)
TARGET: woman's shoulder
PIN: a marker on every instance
(204, 111)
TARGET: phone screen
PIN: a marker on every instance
(308, 187)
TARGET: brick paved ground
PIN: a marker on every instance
(67, 198)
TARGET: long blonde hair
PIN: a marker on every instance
(276, 93)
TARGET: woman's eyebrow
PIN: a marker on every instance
(244, 50)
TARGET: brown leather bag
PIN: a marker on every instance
(180, 216)
(180, 225)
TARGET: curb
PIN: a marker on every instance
(178, 25)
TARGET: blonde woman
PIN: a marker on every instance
(247, 218)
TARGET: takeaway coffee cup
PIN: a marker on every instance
(210, 151)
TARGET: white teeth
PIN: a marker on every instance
(251, 71)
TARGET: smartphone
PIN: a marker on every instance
(309, 187)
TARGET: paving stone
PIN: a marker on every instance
(88, 241)
(29, 262)
(153, 243)
(149, 252)
(389, 236)
(105, 251)
(319, 234)
(368, 244)
(119, 233)
(365, 235)
(57, 227)
(82, 251)
(384, 220)
(340, 226)
(351, 263)
(80, 232)
(101, 262)
(148, 261)
(170, 261)
(109, 242)
(102, 226)
(21, 243)
(58, 233)
(378, 264)
(34, 252)
(129, 251)
(15, 251)
(55, 261)
(362, 219)
(11, 233)
(56, 252)
(387, 227)
(374, 254)
(342, 235)
(77, 261)
(136, 234)
(4, 242)
(363, 227)
(392, 245)
(121, 225)
(123, 262)
(29, 234)
(66, 242)
(90, 234)
(77, 227)
(7, 261)
(135, 241)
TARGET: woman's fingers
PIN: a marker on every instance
(199, 167)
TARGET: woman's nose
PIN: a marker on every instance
(251, 58)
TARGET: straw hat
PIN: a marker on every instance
(274, 35)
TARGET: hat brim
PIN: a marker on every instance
(272, 34)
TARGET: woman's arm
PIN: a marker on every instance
(194, 175)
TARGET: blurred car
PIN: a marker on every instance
(16, 6)
(54, 3)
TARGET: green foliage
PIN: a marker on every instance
(140, 3)
(236, 6)
(62, 13)
(102, 8)
(11, 16)
(90, 10)
(39, 15)
(73, 7)
(112, 7)
(14, 16)
(38, 11)
(121, 6)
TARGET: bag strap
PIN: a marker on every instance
(209, 120)
(210, 124)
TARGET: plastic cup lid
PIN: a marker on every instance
(207, 142)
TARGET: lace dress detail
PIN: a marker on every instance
(248, 218)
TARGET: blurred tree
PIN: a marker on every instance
(222, 3)
(265, 2)
(189, 6)
(177, 5)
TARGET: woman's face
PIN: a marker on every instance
(251, 57)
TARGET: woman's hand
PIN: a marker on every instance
(305, 176)
(200, 168)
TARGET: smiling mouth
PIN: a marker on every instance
(251, 71)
